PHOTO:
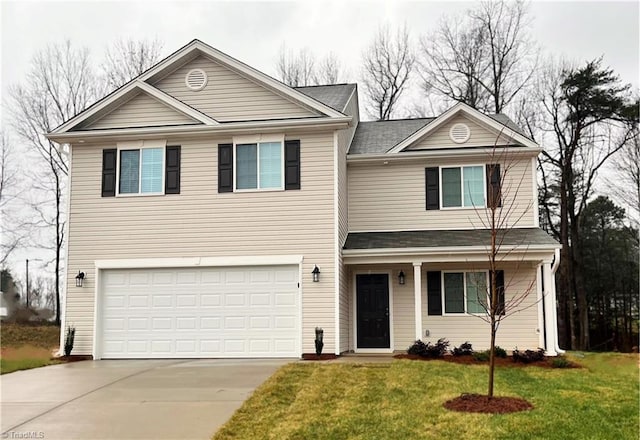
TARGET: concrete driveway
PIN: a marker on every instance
(128, 399)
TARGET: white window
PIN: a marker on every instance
(464, 292)
(463, 186)
(259, 165)
(141, 171)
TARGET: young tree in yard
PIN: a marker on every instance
(587, 116)
(484, 58)
(388, 63)
(126, 59)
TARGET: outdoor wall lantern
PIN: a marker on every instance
(316, 274)
(79, 279)
(401, 277)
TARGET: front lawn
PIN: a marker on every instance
(27, 346)
(403, 400)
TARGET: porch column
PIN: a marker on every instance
(541, 302)
(549, 309)
(417, 286)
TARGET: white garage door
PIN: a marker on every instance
(200, 312)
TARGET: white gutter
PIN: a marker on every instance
(190, 130)
(438, 154)
(554, 268)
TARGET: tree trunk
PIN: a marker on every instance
(492, 357)
(58, 248)
(580, 291)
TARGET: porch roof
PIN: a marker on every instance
(533, 238)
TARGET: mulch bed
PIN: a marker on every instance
(322, 357)
(73, 358)
(478, 403)
(500, 362)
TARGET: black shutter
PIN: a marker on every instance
(499, 290)
(292, 165)
(172, 171)
(434, 293)
(432, 183)
(494, 195)
(109, 172)
(225, 168)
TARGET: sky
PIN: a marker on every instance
(253, 32)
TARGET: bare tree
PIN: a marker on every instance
(484, 58)
(296, 69)
(329, 70)
(587, 117)
(12, 232)
(388, 63)
(127, 59)
(626, 185)
(60, 84)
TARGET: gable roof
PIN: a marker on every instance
(335, 96)
(462, 108)
(182, 55)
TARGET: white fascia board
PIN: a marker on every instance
(451, 250)
(443, 154)
(473, 113)
(530, 257)
(227, 128)
(148, 263)
(176, 105)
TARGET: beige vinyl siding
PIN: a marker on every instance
(200, 222)
(229, 96)
(518, 329)
(392, 197)
(142, 111)
(480, 136)
(344, 141)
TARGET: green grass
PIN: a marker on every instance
(27, 346)
(403, 400)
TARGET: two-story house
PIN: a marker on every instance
(216, 212)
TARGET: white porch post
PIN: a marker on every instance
(417, 286)
(550, 309)
(539, 293)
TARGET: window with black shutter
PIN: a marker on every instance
(434, 293)
(432, 184)
(292, 165)
(172, 170)
(225, 168)
(109, 158)
(494, 193)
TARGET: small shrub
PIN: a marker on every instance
(528, 356)
(464, 350)
(68, 340)
(429, 350)
(560, 362)
(481, 356)
(500, 352)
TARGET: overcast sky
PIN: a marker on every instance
(254, 31)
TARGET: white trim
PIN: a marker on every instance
(141, 145)
(460, 250)
(147, 263)
(176, 104)
(97, 317)
(473, 113)
(203, 130)
(534, 178)
(356, 349)
(257, 140)
(550, 311)
(65, 285)
(300, 308)
(193, 48)
(540, 308)
(462, 192)
(336, 244)
(417, 297)
(480, 153)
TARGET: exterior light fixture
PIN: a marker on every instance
(316, 274)
(401, 278)
(79, 279)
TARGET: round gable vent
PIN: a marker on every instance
(460, 133)
(196, 79)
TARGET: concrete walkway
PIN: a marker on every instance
(129, 399)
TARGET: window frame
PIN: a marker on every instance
(257, 140)
(139, 148)
(462, 191)
(464, 278)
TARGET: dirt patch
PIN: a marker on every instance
(24, 352)
(478, 403)
(500, 362)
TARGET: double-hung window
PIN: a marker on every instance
(464, 292)
(141, 171)
(463, 187)
(259, 165)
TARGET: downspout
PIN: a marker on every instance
(554, 268)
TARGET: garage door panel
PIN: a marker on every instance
(202, 312)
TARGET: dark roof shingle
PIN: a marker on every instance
(446, 238)
(334, 95)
